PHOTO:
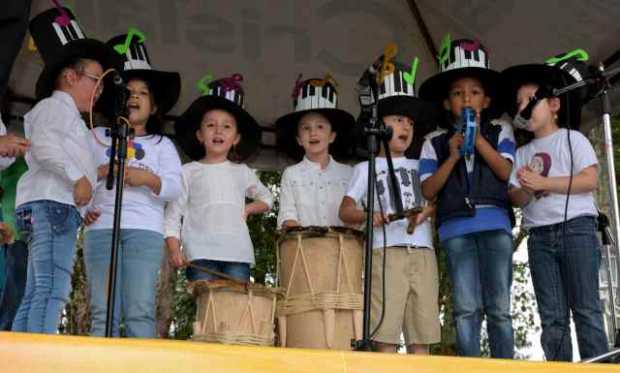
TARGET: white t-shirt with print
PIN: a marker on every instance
(142, 209)
(411, 194)
(550, 156)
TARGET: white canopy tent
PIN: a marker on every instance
(271, 41)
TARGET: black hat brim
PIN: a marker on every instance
(164, 86)
(189, 122)
(341, 122)
(552, 77)
(81, 48)
(423, 114)
(436, 88)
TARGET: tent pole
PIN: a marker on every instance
(428, 40)
(613, 194)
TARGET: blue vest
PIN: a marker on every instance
(461, 192)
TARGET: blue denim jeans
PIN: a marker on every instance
(50, 230)
(15, 282)
(480, 267)
(240, 271)
(139, 259)
(565, 266)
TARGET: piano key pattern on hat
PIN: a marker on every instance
(69, 32)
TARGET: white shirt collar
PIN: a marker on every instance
(316, 165)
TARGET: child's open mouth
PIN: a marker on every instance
(132, 106)
(218, 141)
(314, 142)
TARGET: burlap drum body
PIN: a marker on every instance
(233, 313)
(320, 270)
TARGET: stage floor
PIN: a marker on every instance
(42, 353)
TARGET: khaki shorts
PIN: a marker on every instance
(411, 296)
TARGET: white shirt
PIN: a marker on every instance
(311, 195)
(550, 156)
(5, 162)
(208, 216)
(411, 194)
(59, 153)
(142, 209)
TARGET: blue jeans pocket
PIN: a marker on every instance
(23, 220)
(62, 217)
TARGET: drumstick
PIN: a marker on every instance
(410, 215)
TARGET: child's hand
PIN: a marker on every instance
(136, 176)
(13, 146)
(288, 224)
(6, 234)
(379, 219)
(175, 256)
(455, 143)
(91, 216)
(82, 191)
(102, 171)
(479, 138)
(532, 181)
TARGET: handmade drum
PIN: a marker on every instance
(234, 313)
(320, 270)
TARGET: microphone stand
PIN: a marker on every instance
(374, 130)
(603, 78)
(119, 133)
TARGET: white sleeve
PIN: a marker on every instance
(518, 163)
(358, 185)
(176, 209)
(583, 152)
(256, 190)
(288, 209)
(50, 141)
(506, 144)
(428, 160)
(170, 172)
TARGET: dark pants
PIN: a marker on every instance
(16, 259)
(565, 265)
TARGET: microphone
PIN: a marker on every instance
(522, 119)
(370, 71)
(117, 79)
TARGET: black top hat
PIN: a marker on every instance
(558, 72)
(318, 96)
(225, 94)
(463, 58)
(165, 86)
(397, 96)
(60, 41)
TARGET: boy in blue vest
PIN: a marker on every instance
(470, 189)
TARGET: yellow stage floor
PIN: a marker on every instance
(42, 353)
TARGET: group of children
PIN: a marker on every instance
(199, 209)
